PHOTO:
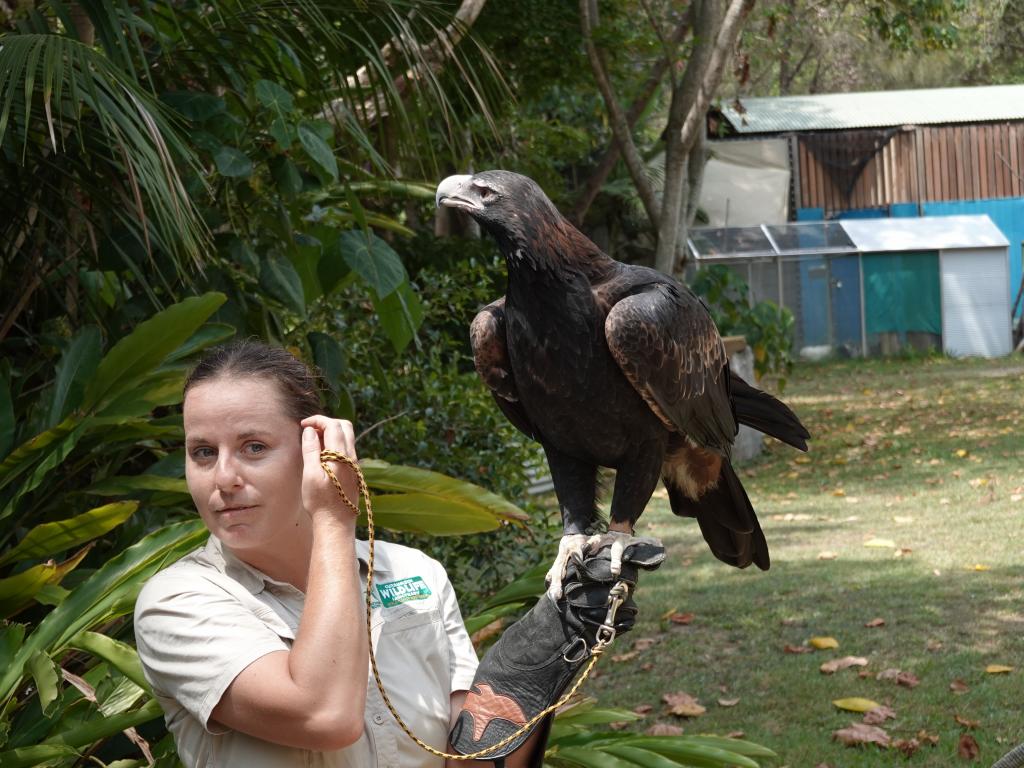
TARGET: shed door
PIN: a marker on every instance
(975, 302)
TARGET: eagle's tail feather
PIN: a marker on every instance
(763, 412)
(726, 519)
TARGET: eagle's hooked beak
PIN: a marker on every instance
(454, 192)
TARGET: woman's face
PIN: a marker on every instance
(243, 461)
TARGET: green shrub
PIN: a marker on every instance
(767, 327)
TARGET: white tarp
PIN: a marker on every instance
(746, 183)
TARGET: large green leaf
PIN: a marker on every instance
(592, 758)
(147, 346)
(382, 476)
(50, 538)
(208, 335)
(76, 367)
(480, 620)
(25, 455)
(120, 656)
(739, 746)
(329, 357)
(433, 515)
(527, 586)
(318, 152)
(401, 315)
(106, 594)
(81, 735)
(689, 752)
(373, 260)
(273, 96)
(11, 637)
(130, 484)
(638, 756)
(18, 590)
(44, 673)
(279, 279)
(56, 444)
(233, 163)
(157, 389)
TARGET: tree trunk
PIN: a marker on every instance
(715, 36)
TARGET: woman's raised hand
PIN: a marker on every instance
(318, 492)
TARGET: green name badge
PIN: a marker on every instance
(402, 591)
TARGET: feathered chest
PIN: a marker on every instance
(555, 335)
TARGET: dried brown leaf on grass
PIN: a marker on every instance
(643, 709)
(879, 715)
(970, 724)
(907, 680)
(968, 748)
(879, 622)
(857, 734)
(959, 686)
(683, 704)
(664, 729)
(797, 649)
(907, 746)
(830, 667)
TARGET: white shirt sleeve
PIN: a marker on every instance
(194, 638)
(462, 655)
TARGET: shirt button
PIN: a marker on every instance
(378, 719)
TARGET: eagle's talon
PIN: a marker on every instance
(619, 540)
(570, 545)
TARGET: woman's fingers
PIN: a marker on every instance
(337, 434)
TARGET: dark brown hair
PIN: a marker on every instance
(298, 384)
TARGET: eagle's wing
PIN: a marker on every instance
(490, 356)
(664, 340)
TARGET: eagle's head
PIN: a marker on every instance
(512, 207)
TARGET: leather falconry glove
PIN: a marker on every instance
(534, 661)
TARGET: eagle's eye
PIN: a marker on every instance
(486, 193)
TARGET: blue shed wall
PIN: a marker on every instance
(1006, 213)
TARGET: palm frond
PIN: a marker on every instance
(62, 102)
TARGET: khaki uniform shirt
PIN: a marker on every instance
(203, 620)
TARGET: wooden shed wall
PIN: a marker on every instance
(921, 164)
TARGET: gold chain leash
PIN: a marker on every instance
(605, 635)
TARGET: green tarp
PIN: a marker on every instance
(901, 293)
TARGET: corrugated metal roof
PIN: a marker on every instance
(877, 109)
(928, 233)
(796, 239)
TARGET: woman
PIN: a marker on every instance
(255, 645)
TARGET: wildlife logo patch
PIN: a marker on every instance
(395, 593)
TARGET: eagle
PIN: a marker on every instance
(614, 365)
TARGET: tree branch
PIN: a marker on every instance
(433, 55)
(620, 126)
(611, 155)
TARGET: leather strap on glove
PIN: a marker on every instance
(536, 659)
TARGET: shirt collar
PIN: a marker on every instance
(256, 581)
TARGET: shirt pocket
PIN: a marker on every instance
(408, 617)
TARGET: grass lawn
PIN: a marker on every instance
(926, 458)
